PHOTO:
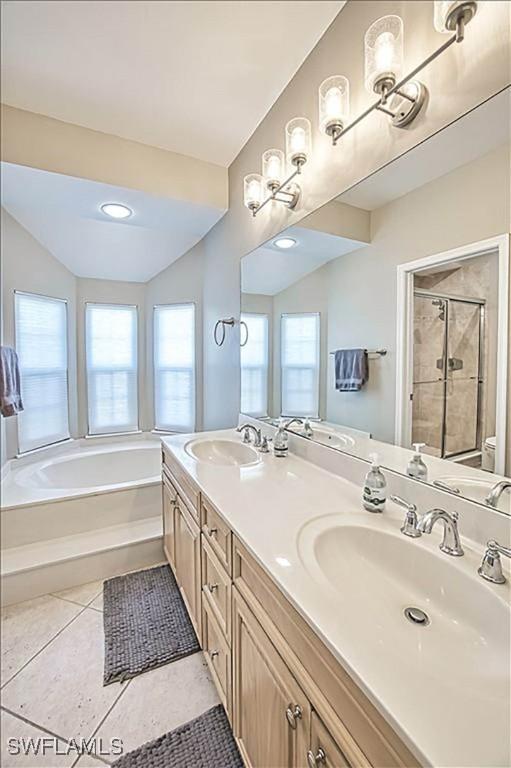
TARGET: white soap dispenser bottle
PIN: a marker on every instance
(416, 467)
(375, 487)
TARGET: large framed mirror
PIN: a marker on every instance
(381, 321)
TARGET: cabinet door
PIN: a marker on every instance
(187, 543)
(169, 502)
(324, 752)
(270, 711)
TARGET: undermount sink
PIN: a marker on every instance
(222, 452)
(477, 489)
(374, 573)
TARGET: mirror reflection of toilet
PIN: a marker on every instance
(488, 454)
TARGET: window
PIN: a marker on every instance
(300, 364)
(111, 351)
(41, 344)
(254, 366)
(174, 367)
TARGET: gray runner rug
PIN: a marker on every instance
(145, 622)
(206, 742)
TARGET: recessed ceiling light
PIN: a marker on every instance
(116, 210)
(284, 242)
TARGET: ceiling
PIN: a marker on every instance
(469, 137)
(269, 270)
(191, 77)
(63, 214)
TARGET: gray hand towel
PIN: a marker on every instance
(351, 369)
(10, 384)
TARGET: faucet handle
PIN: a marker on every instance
(409, 527)
(491, 566)
(265, 444)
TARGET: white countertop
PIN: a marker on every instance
(445, 716)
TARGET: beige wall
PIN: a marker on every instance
(462, 78)
(27, 266)
(180, 283)
(111, 292)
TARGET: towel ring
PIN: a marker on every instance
(230, 321)
(245, 326)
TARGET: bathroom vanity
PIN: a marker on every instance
(301, 619)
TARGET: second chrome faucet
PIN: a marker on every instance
(415, 527)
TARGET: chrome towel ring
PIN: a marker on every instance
(231, 322)
(245, 326)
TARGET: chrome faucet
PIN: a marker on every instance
(307, 429)
(496, 492)
(451, 543)
(294, 420)
(246, 429)
(409, 527)
(491, 567)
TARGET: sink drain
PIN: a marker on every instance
(417, 616)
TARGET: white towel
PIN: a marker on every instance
(10, 383)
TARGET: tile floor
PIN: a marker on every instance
(52, 684)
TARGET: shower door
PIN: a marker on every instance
(447, 350)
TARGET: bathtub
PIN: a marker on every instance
(84, 510)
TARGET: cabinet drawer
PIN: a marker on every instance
(217, 654)
(187, 560)
(169, 501)
(182, 483)
(217, 534)
(216, 589)
(324, 752)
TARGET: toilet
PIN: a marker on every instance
(488, 457)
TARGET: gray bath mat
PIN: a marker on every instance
(145, 622)
(206, 742)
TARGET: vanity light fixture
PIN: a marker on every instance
(116, 210)
(284, 242)
(400, 97)
(298, 147)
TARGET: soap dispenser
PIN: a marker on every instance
(280, 441)
(416, 467)
(375, 487)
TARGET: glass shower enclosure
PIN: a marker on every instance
(448, 364)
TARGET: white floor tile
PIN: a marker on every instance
(62, 688)
(159, 701)
(89, 762)
(83, 595)
(16, 735)
(28, 626)
(97, 603)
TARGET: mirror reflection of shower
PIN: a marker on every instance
(452, 362)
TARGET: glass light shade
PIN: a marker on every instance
(298, 141)
(383, 44)
(334, 103)
(253, 191)
(274, 167)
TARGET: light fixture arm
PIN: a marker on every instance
(397, 88)
(289, 197)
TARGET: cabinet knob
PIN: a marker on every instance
(213, 531)
(313, 760)
(214, 654)
(293, 714)
(212, 587)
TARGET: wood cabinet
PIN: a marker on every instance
(169, 500)
(187, 548)
(271, 714)
(323, 751)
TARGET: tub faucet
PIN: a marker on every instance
(496, 492)
(246, 429)
(451, 543)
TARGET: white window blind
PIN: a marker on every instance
(254, 366)
(111, 352)
(300, 364)
(174, 367)
(41, 344)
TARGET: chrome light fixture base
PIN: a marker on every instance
(290, 195)
(464, 12)
(384, 84)
(334, 129)
(407, 102)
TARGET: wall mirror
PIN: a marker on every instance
(381, 320)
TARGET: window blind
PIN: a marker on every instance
(41, 344)
(254, 366)
(174, 367)
(300, 335)
(111, 354)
